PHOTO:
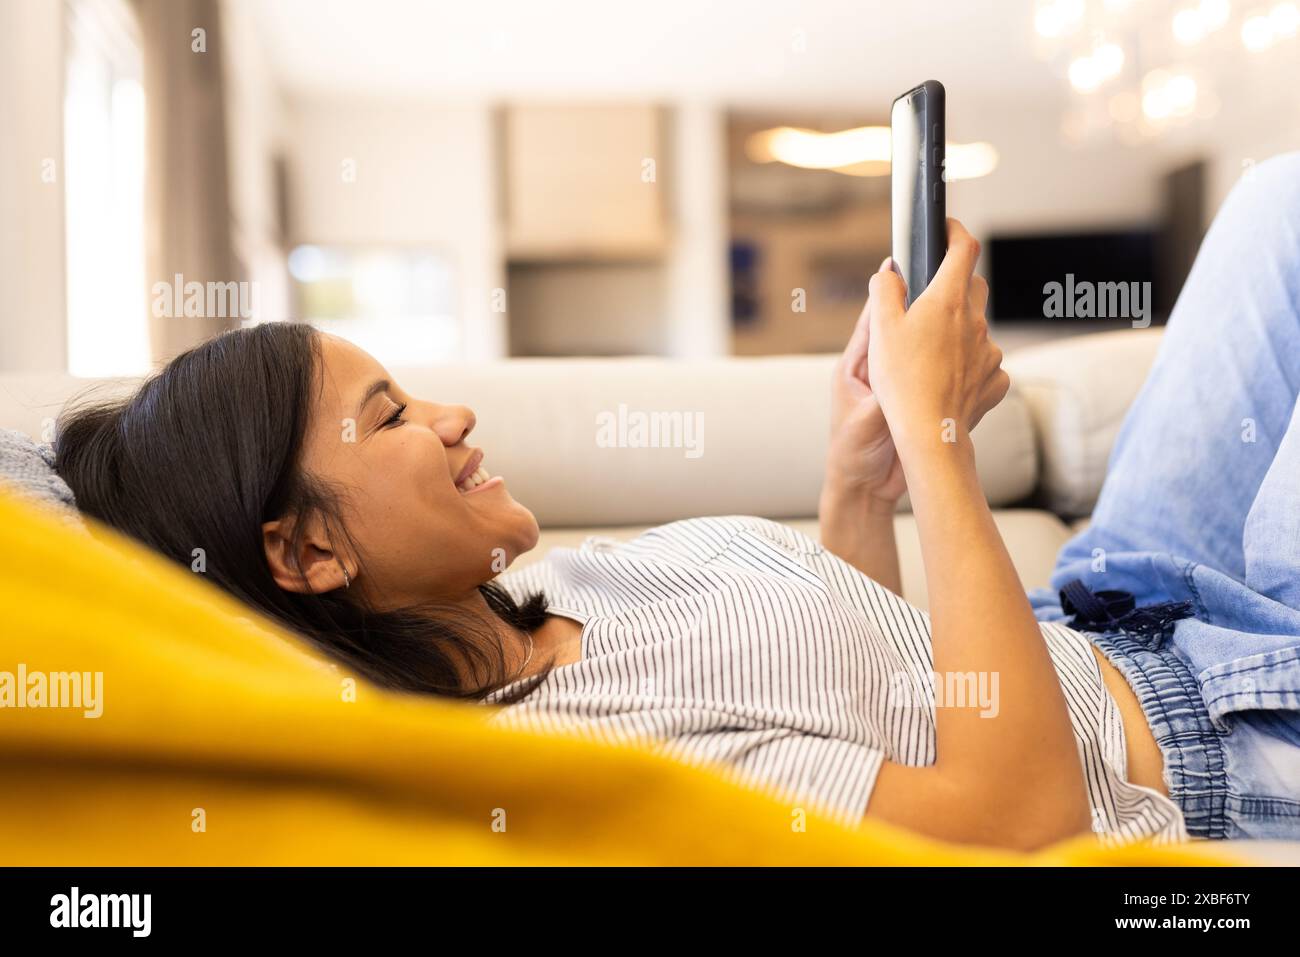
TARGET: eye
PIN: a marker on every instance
(396, 417)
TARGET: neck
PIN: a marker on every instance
(514, 641)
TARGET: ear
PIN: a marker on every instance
(316, 558)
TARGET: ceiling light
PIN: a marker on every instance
(969, 160)
(1284, 19)
(1091, 71)
(1215, 13)
(1109, 58)
(1168, 95)
(1257, 33)
(1084, 75)
(863, 151)
(1181, 94)
(1056, 18)
(1189, 26)
(1048, 22)
(1192, 24)
(812, 149)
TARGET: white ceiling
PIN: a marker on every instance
(855, 55)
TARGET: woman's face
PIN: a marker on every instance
(396, 458)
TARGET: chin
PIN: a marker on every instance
(531, 532)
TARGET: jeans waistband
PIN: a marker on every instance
(1180, 723)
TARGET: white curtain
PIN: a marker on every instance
(187, 202)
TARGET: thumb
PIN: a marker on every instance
(888, 292)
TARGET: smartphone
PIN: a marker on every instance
(918, 213)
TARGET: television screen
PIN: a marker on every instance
(1075, 276)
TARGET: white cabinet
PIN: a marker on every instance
(584, 182)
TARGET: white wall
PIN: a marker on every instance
(33, 324)
(1041, 183)
(698, 320)
(1247, 130)
(425, 174)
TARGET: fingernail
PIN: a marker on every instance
(886, 264)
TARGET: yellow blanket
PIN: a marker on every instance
(222, 740)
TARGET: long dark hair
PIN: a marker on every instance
(209, 448)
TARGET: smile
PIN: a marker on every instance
(477, 478)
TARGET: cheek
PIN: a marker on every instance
(410, 470)
(403, 497)
(389, 480)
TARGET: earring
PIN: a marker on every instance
(347, 579)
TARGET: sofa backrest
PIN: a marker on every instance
(749, 435)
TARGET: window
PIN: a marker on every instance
(103, 117)
(398, 304)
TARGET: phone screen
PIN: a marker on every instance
(908, 180)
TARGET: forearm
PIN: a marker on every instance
(859, 528)
(981, 622)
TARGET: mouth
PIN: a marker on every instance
(474, 476)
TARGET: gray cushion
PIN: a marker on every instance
(28, 468)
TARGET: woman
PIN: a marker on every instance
(357, 515)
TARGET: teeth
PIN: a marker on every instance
(478, 477)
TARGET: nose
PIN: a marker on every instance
(454, 422)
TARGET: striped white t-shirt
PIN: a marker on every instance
(742, 642)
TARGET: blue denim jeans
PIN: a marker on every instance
(1201, 505)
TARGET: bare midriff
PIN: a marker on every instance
(1146, 765)
(561, 637)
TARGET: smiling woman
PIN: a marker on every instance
(288, 467)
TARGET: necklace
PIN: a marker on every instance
(529, 656)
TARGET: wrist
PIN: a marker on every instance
(841, 493)
(932, 436)
(941, 472)
(859, 528)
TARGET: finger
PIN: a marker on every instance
(991, 394)
(857, 340)
(979, 294)
(995, 357)
(995, 389)
(855, 353)
(887, 294)
(999, 386)
(856, 348)
(953, 275)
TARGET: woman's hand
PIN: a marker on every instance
(932, 368)
(861, 459)
(1016, 781)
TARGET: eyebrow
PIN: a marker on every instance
(376, 387)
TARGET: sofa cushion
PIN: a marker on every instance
(1078, 391)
